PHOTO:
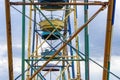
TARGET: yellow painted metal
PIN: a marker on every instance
(68, 71)
(74, 35)
(29, 39)
(65, 53)
(66, 17)
(62, 71)
(108, 40)
(65, 50)
(76, 43)
(45, 25)
(36, 46)
(9, 39)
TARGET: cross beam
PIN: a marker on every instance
(60, 3)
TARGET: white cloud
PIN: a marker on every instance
(118, 4)
(3, 49)
(4, 67)
(17, 65)
(3, 64)
(17, 45)
(115, 64)
(96, 71)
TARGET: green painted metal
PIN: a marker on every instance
(108, 76)
(86, 42)
(23, 42)
(34, 69)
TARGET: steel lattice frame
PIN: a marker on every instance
(32, 61)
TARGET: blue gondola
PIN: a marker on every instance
(51, 6)
(51, 67)
(45, 34)
(48, 54)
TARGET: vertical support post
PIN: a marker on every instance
(77, 42)
(62, 68)
(71, 51)
(23, 41)
(65, 52)
(110, 21)
(86, 42)
(36, 55)
(33, 42)
(29, 39)
(9, 39)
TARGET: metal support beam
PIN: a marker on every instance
(55, 60)
(9, 39)
(29, 39)
(76, 42)
(33, 41)
(23, 41)
(86, 42)
(60, 3)
(108, 39)
(74, 35)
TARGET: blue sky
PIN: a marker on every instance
(97, 37)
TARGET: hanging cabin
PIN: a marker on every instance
(51, 6)
(47, 54)
(47, 29)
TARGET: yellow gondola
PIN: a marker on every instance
(46, 26)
